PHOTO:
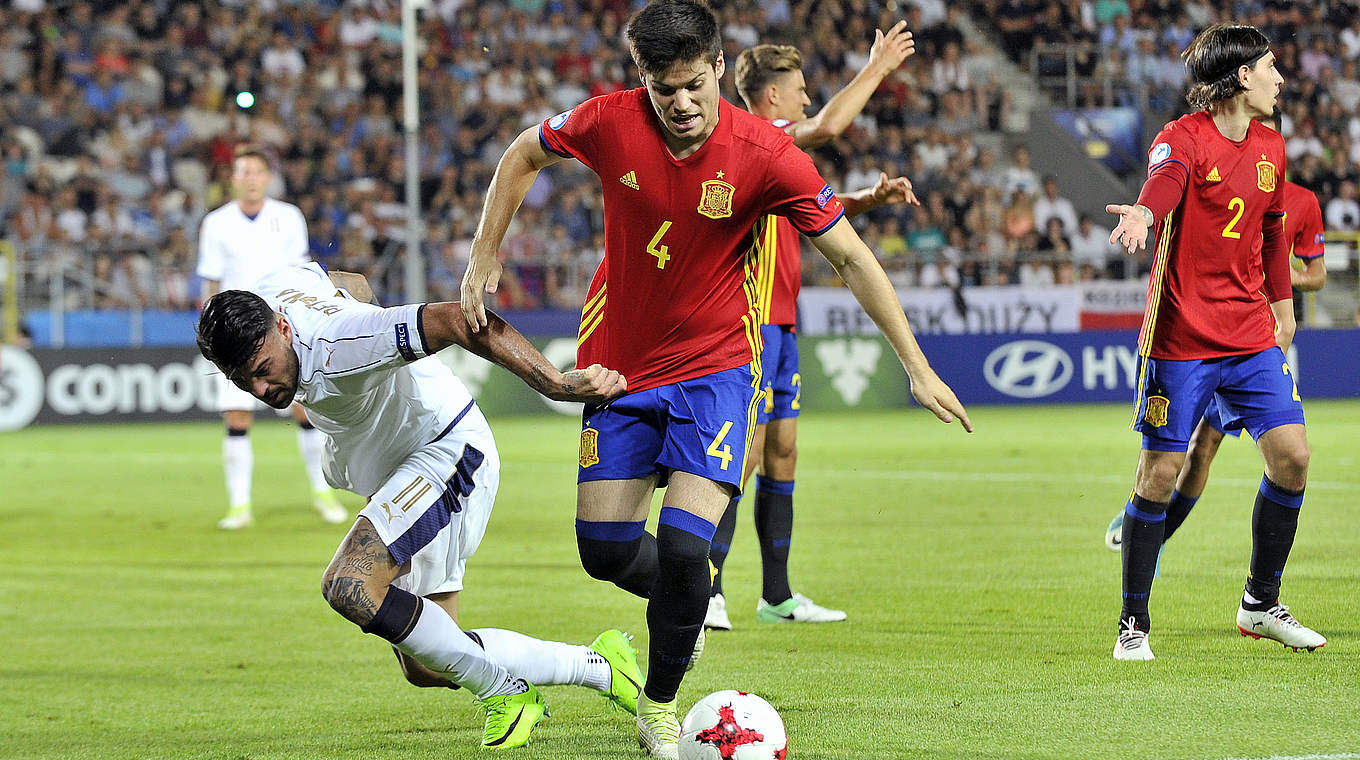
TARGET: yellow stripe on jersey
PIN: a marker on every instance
(751, 287)
(768, 267)
(592, 314)
(1159, 265)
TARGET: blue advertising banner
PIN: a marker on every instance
(1112, 136)
(1100, 366)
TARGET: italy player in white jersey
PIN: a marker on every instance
(403, 431)
(239, 243)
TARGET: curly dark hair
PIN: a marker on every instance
(667, 32)
(232, 329)
(1214, 57)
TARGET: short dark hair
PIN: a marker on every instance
(1214, 57)
(232, 329)
(667, 32)
(757, 67)
(253, 150)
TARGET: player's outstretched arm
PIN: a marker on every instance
(1134, 222)
(856, 264)
(888, 52)
(444, 325)
(885, 191)
(515, 174)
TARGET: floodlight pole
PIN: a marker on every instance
(415, 258)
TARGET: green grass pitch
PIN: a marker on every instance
(982, 602)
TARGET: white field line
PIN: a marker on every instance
(960, 476)
(1342, 756)
(956, 476)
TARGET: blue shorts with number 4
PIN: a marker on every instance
(701, 426)
(1253, 392)
(779, 373)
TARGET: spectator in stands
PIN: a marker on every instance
(1051, 205)
(1019, 176)
(1091, 246)
(1343, 211)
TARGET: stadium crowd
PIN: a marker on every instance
(122, 118)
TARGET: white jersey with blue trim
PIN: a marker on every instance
(360, 379)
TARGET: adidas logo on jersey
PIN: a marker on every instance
(630, 179)
(1214, 176)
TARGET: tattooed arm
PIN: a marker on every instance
(444, 325)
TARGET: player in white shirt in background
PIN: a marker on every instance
(408, 436)
(239, 243)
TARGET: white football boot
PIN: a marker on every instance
(1132, 644)
(717, 614)
(1276, 623)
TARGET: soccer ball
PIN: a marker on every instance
(733, 725)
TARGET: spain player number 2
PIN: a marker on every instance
(655, 248)
(1238, 205)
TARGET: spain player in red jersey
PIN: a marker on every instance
(770, 80)
(1219, 309)
(686, 176)
(1303, 231)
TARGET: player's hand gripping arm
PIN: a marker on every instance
(1312, 277)
(445, 325)
(355, 284)
(515, 174)
(888, 52)
(885, 191)
(856, 264)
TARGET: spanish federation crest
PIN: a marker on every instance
(1265, 175)
(590, 450)
(715, 199)
(1156, 410)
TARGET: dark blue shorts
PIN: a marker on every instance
(1215, 420)
(701, 426)
(1254, 392)
(779, 373)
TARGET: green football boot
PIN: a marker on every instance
(625, 679)
(510, 718)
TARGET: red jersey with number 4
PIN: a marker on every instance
(1302, 222)
(1205, 297)
(676, 295)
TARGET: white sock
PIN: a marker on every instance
(238, 459)
(545, 663)
(310, 443)
(438, 644)
(1249, 599)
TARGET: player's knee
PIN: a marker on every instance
(1290, 466)
(606, 560)
(350, 594)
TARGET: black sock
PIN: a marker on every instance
(675, 613)
(774, 528)
(1144, 529)
(622, 553)
(722, 543)
(1273, 523)
(1176, 513)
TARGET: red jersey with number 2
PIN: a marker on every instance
(1205, 296)
(676, 295)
